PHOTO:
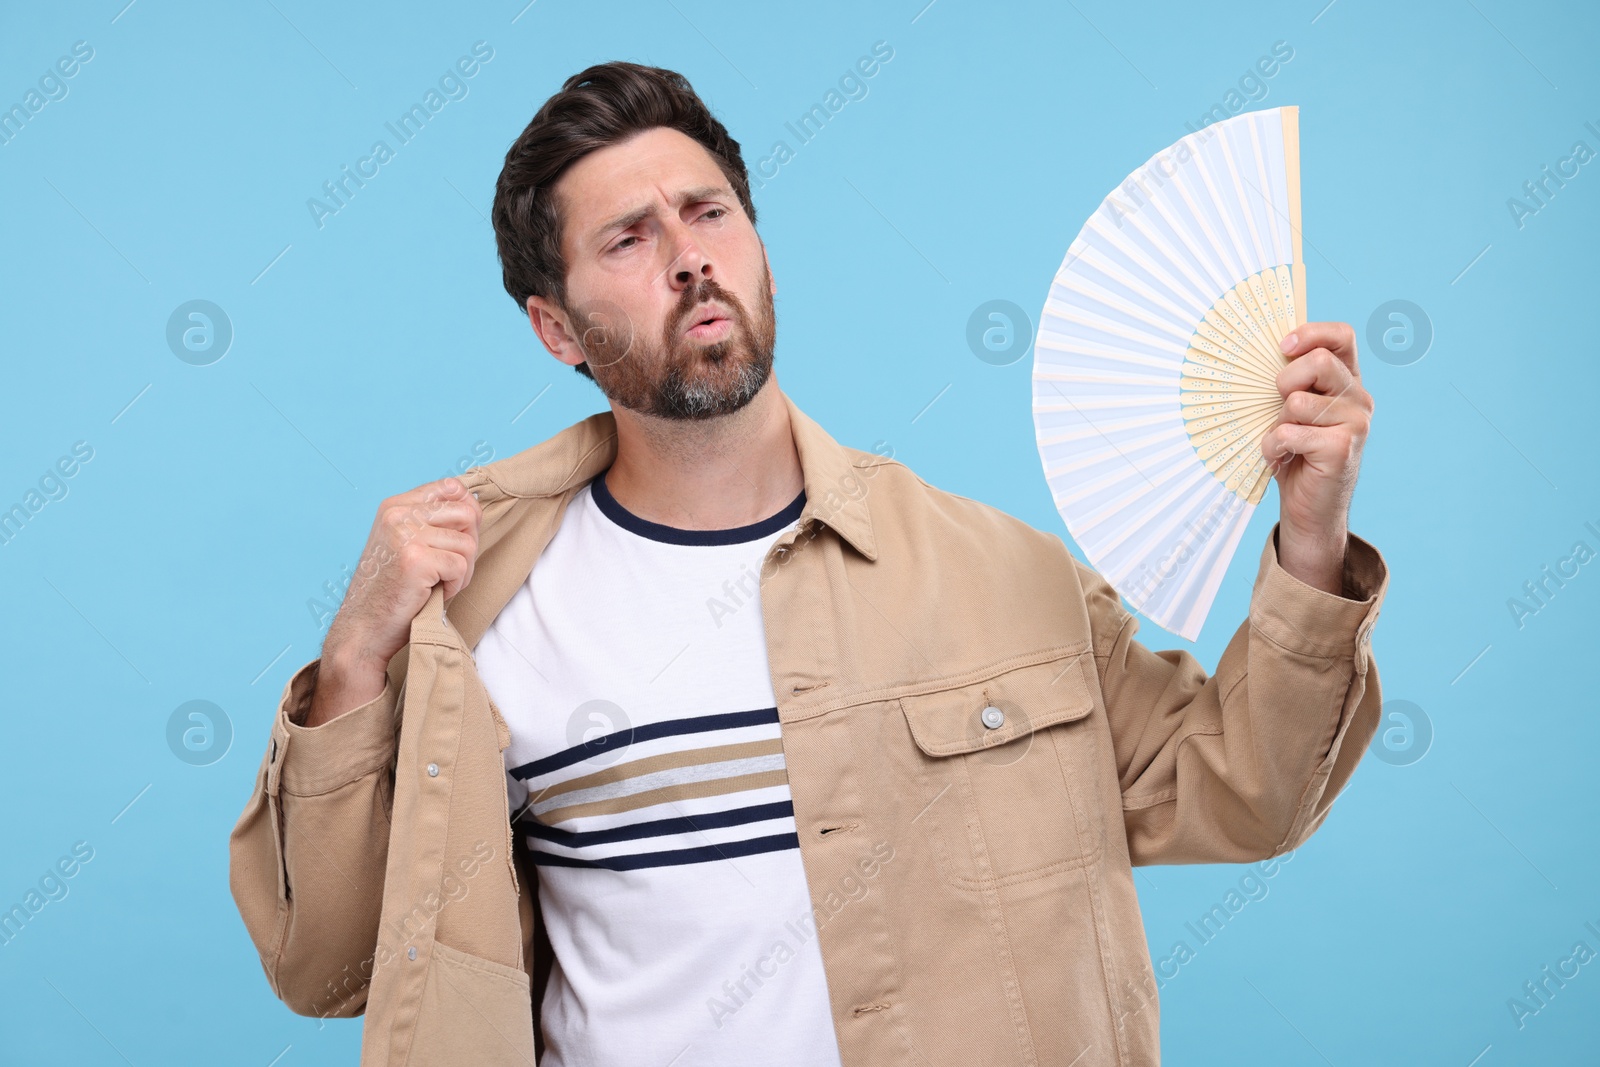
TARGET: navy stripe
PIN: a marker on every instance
(657, 827)
(674, 857)
(618, 739)
(673, 535)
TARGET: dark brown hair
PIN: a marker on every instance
(601, 106)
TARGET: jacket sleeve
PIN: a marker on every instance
(307, 856)
(1246, 763)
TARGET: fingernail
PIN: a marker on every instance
(1287, 344)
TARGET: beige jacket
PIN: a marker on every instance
(971, 881)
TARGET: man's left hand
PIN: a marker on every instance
(1314, 450)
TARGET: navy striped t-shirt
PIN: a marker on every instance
(646, 773)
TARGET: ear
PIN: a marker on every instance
(554, 330)
(770, 275)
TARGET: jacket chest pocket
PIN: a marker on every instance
(1011, 761)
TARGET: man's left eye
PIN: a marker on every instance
(717, 212)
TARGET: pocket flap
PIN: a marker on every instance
(951, 721)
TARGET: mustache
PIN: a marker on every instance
(689, 299)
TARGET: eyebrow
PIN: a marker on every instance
(639, 214)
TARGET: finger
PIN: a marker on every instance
(465, 495)
(464, 515)
(1318, 370)
(435, 494)
(448, 540)
(1338, 338)
(454, 570)
(450, 488)
(435, 556)
(1328, 448)
(1315, 409)
(410, 519)
(458, 579)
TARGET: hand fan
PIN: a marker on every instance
(1156, 360)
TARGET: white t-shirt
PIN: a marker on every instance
(646, 772)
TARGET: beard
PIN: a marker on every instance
(673, 377)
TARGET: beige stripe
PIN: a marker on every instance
(665, 762)
(715, 787)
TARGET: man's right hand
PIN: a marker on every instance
(419, 539)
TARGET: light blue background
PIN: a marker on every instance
(376, 351)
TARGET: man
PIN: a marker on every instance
(739, 746)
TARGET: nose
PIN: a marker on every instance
(690, 266)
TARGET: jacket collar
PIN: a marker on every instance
(515, 527)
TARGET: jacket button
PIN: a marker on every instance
(411, 953)
(993, 717)
(433, 770)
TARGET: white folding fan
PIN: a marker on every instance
(1156, 359)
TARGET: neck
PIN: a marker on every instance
(707, 474)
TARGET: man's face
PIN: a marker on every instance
(669, 295)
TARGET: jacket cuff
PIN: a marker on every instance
(318, 759)
(1312, 621)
